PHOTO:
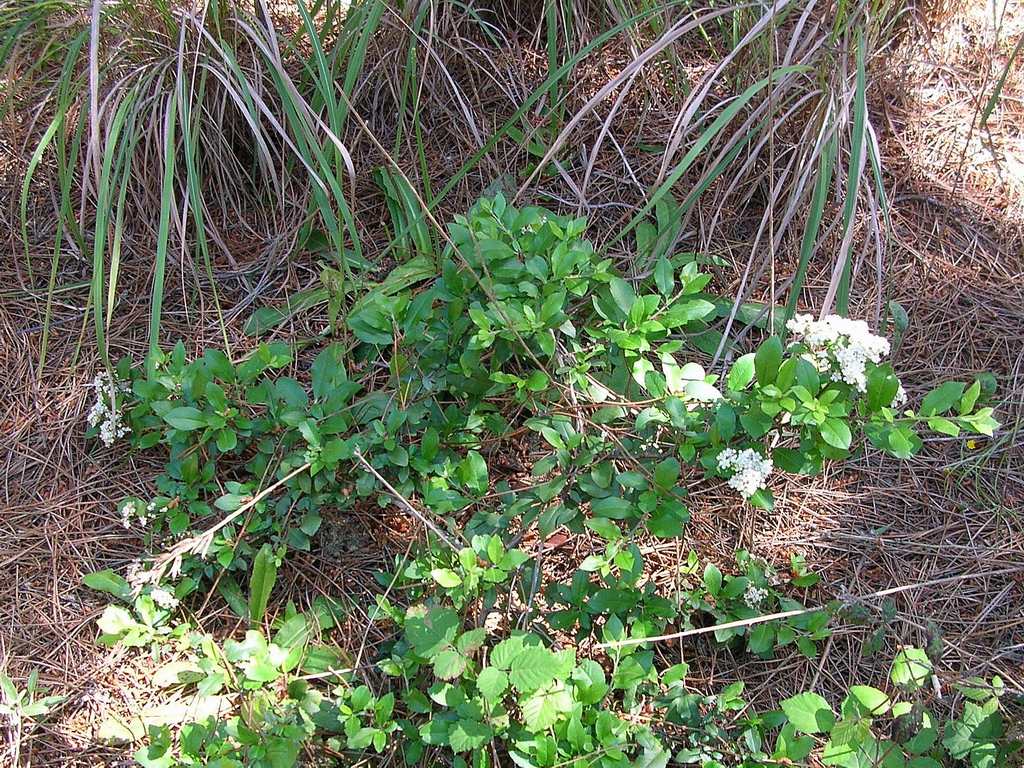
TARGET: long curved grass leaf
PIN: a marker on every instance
(813, 225)
(840, 290)
(993, 100)
(163, 233)
(103, 208)
(723, 119)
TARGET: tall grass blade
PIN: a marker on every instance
(839, 288)
(167, 199)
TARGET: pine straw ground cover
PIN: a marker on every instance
(955, 265)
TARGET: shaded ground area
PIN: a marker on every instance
(955, 265)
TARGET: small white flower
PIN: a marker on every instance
(750, 469)
(163, 598)
(901, 397)
(127, 512)
(130, 514)
(754, 596)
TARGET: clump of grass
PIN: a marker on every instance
(194, 114)
(200, 114)
(777, 124)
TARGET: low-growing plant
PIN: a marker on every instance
(22, 708)
(526, 339)
(754, 592)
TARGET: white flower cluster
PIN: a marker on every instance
(901, 398)
(141, 575)
(840, 345)
(104, 411)
(534, 226)
(130, 514)
(163, 598)
(754, 596)
(750, 469)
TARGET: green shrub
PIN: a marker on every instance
(526, 336)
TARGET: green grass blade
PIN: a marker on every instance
(813, 225)
(841, 293)
(698, 146)
(163, 232)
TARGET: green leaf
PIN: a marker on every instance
(911, 668)
(429, 633)
(622, 293)
(8, 689)
(666, 473)
(767, 360)
(492, 683)
(873, 701)
(902, 441)
(684, 312)
(227, 439)
(506, 652)
(712, 579)
(446, 577)
(466, 735)
(534, 668)
(293, 633)
(471, 641)
(942, 398)
(836, 433)
(261, 583)
(741, 373)
(791, 746)
(982, 422)
(108, 581)
(228, 588)
(664, 277)
(943, 426)
(613, 600)
(115, 620)
(186, 418)
(613, 507)
(449, 664)
(809, 713)
(474, 472)
(541, 710)
(669, 520)
(882, 386)
(970, 397)
(604, 528)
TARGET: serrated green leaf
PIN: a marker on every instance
(534, 668)
(911, 667)
(466, 735)
(492, 684)
(449, 664)
(541, 710)
(428, 634)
